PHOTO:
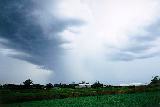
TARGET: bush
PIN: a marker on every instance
(155, 81)
(28, 82)
(97, 85)
(49, 86)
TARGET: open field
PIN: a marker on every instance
(23, 95)
(144, 99)
(109, 96)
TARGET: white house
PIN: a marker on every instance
(84, 85)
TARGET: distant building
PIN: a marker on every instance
(83, 85)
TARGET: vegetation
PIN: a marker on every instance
(28, 82)
(49, 86)
(97, 85)
(50, 94)
(155, 81)
(150, 99)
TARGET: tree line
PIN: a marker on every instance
(28, 84)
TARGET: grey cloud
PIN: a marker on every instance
(140, 45)
(24, 34)
(129, 55)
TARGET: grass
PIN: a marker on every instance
(145, 99)
(12, 96)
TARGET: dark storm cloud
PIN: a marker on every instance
(19, 25)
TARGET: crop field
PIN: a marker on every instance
(144, 99)
(12, 96)
(23, 95)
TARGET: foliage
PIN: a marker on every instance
(37, 86)
(49, 86)
(97, 85)
(33, 94)
(146, 99)
(155, 81)
(11, 93)
(28, 82)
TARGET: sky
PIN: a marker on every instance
(111, 41)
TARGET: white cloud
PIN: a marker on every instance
(110, 25)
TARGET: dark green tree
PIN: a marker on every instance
(49, 86)
(28, 82)
(155, 81)
(97, 85)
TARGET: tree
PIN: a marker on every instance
(28, 82)
(155, 81)
(49, 86)
(97, 85)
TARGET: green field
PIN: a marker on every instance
(140, 96)
(144, 99)
(12, 96)
(23, 95)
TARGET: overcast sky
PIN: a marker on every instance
(113, 41)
